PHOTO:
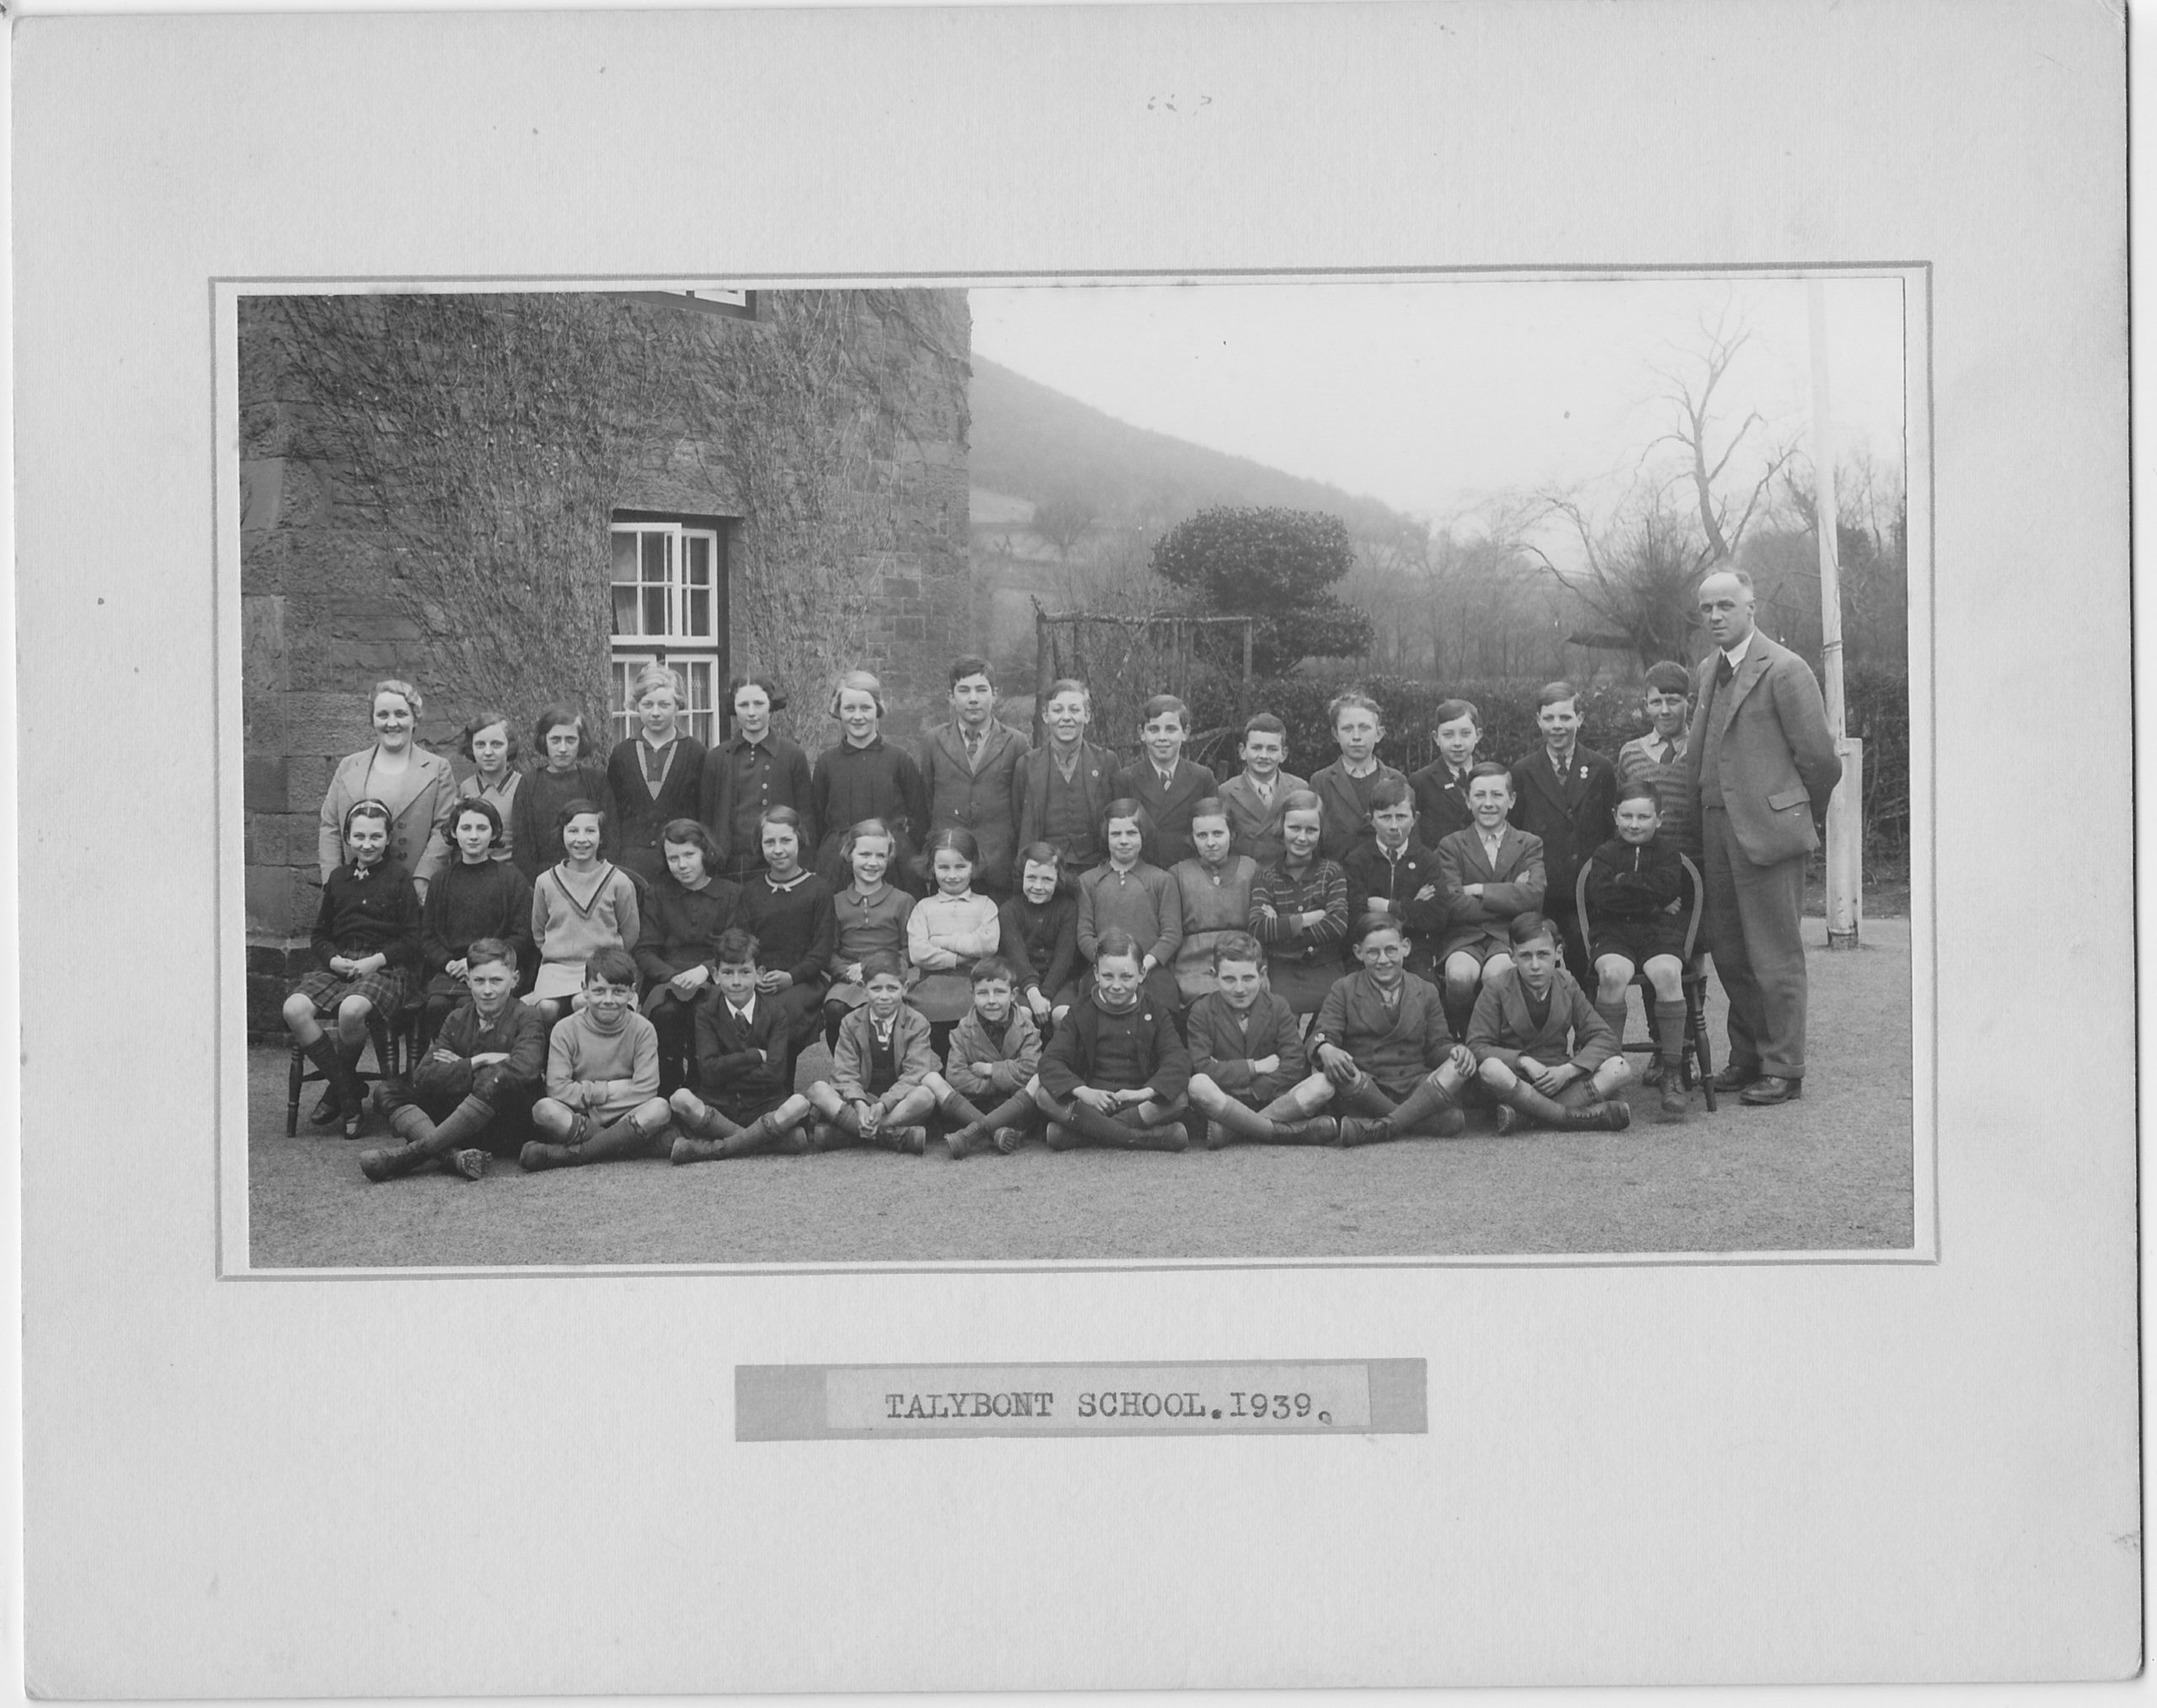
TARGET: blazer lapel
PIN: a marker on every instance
(1749, 674)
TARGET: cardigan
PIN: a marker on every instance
(535, 844)
(745, 1061)
(636, 815)
(1014, 1058)
(1041, 941)
(1116, 1051)
(852, 1064)
(1513, 885)
(1168, 806)
(1394, 1045)
(517, 1031)
(849, 784)
(573, 919)
(1254, 827)
(430, 788)
(1143, 901)
(983, 799)
(1214, 905)
(465, 903)
(1323, 888)
(1348, 805)
(1502, 1029)
(741, 779)
(1225, 1043)
(371, 913)
(794, 926)
(682, 927)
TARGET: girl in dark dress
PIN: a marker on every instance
(864, 777)
(565, 772)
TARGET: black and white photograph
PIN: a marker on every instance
(1247, 847)
(734, 725)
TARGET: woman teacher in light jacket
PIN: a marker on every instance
(418, 787)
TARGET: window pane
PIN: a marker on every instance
(625, 554)
(654, 611)
(655, 557)
(696, 614)
(625, 611)
(623, 720)
(700, 550)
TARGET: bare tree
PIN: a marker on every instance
(1064, 520)
(1684, 507)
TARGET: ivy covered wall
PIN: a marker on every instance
(428, 482)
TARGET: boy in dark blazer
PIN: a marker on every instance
(970, 766)
(1395, 874)
(1382, 1048)
(1441, 786)
(1345, 787)
(1164, 782)
(1257, 795)
(1247, 1056)
(476, 1083)
(1564, 795)
(744, 1065)
(1489, 873)
(1541, 1049)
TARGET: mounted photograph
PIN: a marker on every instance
(1319, 769)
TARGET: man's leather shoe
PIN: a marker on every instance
(1736, 1079)
(1768, 1089)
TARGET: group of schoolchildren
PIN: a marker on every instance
(998, 940)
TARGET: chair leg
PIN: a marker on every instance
(293, 1083)
(1696, 1035)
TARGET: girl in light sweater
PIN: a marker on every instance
(579, 908)
(949, 930)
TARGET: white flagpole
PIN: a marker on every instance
(1846, 869)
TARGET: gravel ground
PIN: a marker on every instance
(1833, 1172)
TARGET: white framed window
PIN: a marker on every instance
(668, 597)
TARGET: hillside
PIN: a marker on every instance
(1034, 443)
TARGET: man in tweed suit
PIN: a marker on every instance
(1760, 766)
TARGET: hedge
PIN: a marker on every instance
(1876, 701)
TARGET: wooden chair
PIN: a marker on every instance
(1692, 981)
(396, 1041)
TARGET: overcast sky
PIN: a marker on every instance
(1434, 395)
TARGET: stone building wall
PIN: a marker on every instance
(427, 486)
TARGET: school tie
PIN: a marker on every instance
(973, 741)
(1726, 671)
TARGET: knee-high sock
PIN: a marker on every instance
(1670, 1030)
(619, 1138)
(1551, 1112)
(1613, 1013)
(1427, 1109)
(1242, 1121)
(459, 1127)
(957, 1105)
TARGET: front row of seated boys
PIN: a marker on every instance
(1380, 1058)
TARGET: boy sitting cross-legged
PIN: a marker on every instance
(1381, 1049)
(745, 1063)
(994, 1053)
(476, 1082)
(879, 1091)
(1115, 1072)
(1543, 1051)
(1247, 1056)
(603, 1076)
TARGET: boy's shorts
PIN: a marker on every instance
(745, 1109)
(1479, 950)
(1639, 940)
